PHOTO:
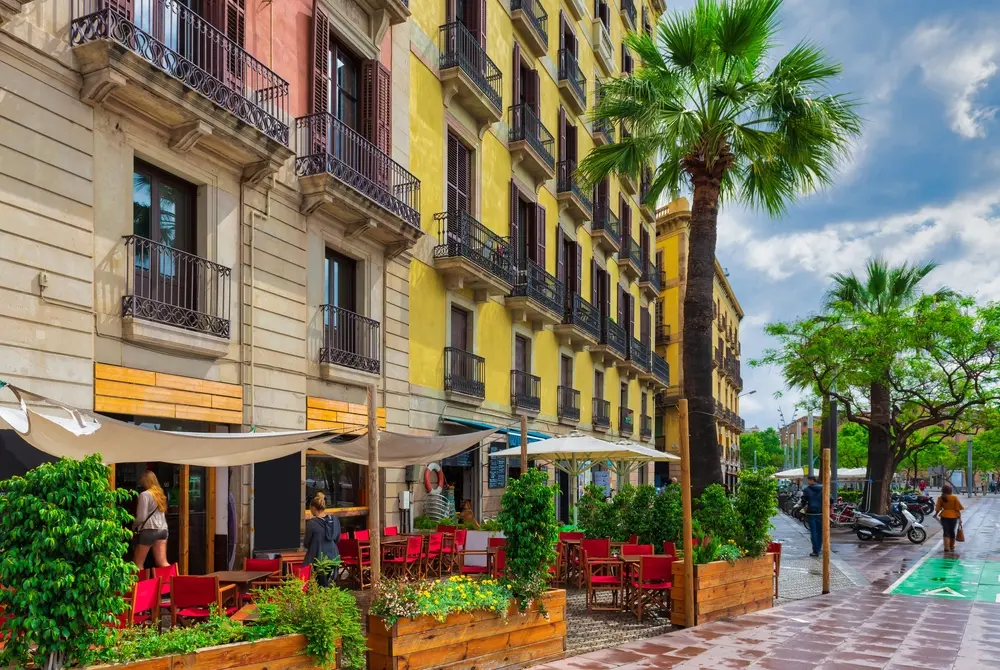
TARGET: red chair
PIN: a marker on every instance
(651, 585)
(499, 561)
(451, 550)
(143, 605)
(556, 568)
(637, 550)
(571, 560)
(361, 536)
(197, 597)
(272, 565)
(446, 529)
(484, 569)
(633, 539)
(669, 548)
(356, 562)
(391, 531)
(432, 554)
(404, 565)
(591, 549)
(166, 576)
(603, 575)
(775, 548)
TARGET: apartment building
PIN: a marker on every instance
(206, 223)
(672, 235)
(531, 294)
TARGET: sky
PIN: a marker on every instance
(923, 183)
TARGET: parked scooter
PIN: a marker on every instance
(924, 503)
(896, 516)
(877, 526)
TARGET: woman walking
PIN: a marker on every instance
(150, 523)
(949, 507)
(322, 533)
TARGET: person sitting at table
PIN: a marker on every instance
(322, 532)
(466, 516)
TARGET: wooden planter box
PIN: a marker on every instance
(723, 590)
(287, 653)
(471, 640)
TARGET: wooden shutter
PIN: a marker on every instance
(630, 301)
(123, 7)
(376, 104)
(540, 236)
(458, 176)
(480, 25)
(515, 231)
(533, 94)
(562, 31)
(606, 276)
(320, 64)
(561, 256)
(516, 78)
(621, 306)
(562, 134)
(644, 326)
(579, 269)
(595, 292)
(449, 11)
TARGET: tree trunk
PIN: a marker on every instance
(699, 329)
(881, 464)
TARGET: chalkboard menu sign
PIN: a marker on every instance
(462, 460)
(498, 467)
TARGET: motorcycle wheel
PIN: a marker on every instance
(928, 508)
(864, 537)
(916, 535)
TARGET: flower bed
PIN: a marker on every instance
(286, 652)
(474, 638)
(724, 589)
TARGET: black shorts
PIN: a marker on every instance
(149, 536)
(949, 527)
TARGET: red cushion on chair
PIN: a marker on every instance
(475, 569)
(605, 579)
(202, 612)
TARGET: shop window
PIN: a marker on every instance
(343, 483)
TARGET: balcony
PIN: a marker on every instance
(601, 419)
(625, 421)
(572, 82)
(603, 132)
(630, 259)
(627, 181)
(613, 347)
(581, 324)
(530, 18)
(668, 397)
(471, 256)
(645, 184)
(645, 427)
(662, 334)
(717, 360)
(568, 405)
(349, 341)
(606, 228)
(650, 280)
(578, 9)
(464, 376)
(577, 204)
(397, 10)
(628, 13)
(537, 297)
(659, 6)
(353, 180)
(604, 48)
(637, 362)
(163, 61)
(10, 8)
(469, 76)
(661, 371)
(525, 392)
(531, 143)
(175, 300)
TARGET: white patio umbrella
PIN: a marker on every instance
(576, 452)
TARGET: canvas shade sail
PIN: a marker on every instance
(843, 474)
(64, 431)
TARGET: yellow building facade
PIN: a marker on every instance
(528, 294)
(672, 236)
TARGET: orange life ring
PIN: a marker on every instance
(427, 478)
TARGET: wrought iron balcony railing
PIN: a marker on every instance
(602, 413)
(638, 352)
(652, 276)
(605, 127)
(537, 17)
(661, 370)
(568, 403)
(532, 281)
(175, 288)
(350, 340)
(662, 334)
(570, 71)
(614, 336)
(645, 426)
(464, 373)
(525, 391)
(566, 182)
(583, 315)
(176, 40)
(631, 251)
(461, 236)
(605, 219)
(325, 144)
(525, 126)
(460, 49)
(625, 421)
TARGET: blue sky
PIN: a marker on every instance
(924, 182)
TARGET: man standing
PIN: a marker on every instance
(813, 496)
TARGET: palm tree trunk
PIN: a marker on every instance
(880, 461)
(699, 331)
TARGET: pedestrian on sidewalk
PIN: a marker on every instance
(949, 508)
(813, 495)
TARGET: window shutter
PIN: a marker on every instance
(235, 26)
(644, 326)
(516, 78)
(320, 65)
(606, 277)
(621, 307)
(630, 301)
(540, 236)
(561, 266)
(123, 7)
(450, 11)
(376, 104)
(562, 134)
(579, 269)
(562, 30)
(458, 176)
(480, 27)
(515, 232)
(595, 292)
(534, 94)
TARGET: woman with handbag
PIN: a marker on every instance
(150, 525)
(949, 508)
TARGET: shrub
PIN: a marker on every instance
(593, 513)
(850, 495)
(755, 504)
(667, 517)
(395, 600)
(716, 515)
(639, 516)
(63, 534)
(528, 519)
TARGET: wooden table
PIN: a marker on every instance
(242, 579)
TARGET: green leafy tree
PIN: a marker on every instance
(716, 515)
(63, 534)
(528, 519)
(667, 518)
(766, 444)
(852, 446)
(755, 503)
(720, 114)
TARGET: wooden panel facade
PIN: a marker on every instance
(723, 590)
(338, 415)
(287, 653)
(471, 640)
(119, 390)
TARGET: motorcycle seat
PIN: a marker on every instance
(882, 517)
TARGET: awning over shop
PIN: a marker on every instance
(843, 474)
(513, 433)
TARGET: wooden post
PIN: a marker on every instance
(826, 519)
(374, 494)
(682, 412)
(184, 521)
(210, 520)
(524, 443)
(111, 476)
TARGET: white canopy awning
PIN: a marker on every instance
(843, 474)
(63, 431)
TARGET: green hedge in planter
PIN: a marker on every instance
(528, 520)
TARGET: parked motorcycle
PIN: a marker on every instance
(924, 503)
(897, 517)
(877, 526)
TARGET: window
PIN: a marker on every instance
(642, 404)
(566, 372)
(600, 289)
(623, 399)
(527, 228)
(460, 329)
(342, 84)
(459, 176)
(341, 278)
(342, 482)
(568, 145)
(471, 14)
(599, 384)
(567, 38)
(522, 353)
(628, 63)
(569, 263)
(603, 12)
(526, 83)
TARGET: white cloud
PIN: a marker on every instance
(958, 64)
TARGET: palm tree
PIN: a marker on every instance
(884, 290)
(704, 107)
